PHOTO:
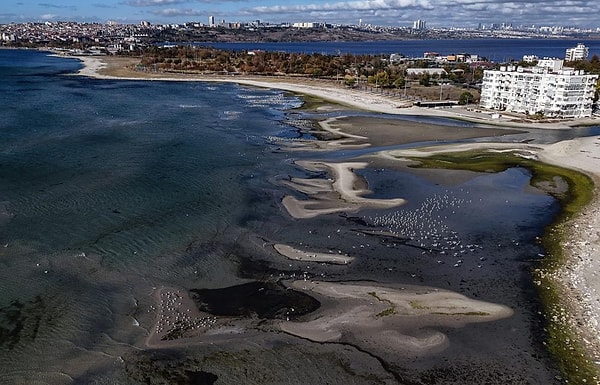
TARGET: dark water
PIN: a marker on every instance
(109, 189)
(497, 50)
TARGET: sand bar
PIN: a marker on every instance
(384, 318)
(524, 150)
(341, 193)
(579, 278)
(310, 256)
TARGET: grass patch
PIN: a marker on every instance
(562, 341)
(387, 312)
(580, 187)
(312, 103)
(417, 305)
(469, 313)
(373, 294)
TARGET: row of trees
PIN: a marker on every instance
(375, 70)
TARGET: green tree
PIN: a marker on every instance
(399, 83)
(465, 98)
(317, 72)
(349, 81)
(381, 79)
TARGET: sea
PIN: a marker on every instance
(496, 50)
(111, 189)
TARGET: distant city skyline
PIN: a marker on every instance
(436, 13)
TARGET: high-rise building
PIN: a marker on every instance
(579, 52)
(551, 89)
(211, 21)
(419, 24)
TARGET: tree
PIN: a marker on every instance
(317, 72)
(380, 79)
(399, 83)
(465, 97)
(350, 81)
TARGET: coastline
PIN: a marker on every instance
(577, 278)
(113, 68)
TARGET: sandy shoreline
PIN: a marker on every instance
(100, 68)
(579, 278)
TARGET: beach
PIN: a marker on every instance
(117, 68)
(578, 279)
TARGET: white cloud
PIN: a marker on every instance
(440, 12)
(152, 3)
(158, 3)
(174, 12)
(48, 16)
(345, 6)
(58, 6)
(459, 13)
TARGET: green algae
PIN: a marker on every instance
(578, 190)
(387, 312)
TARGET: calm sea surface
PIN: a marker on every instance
(109, 189)
(497, 50)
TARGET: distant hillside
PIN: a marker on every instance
(283, 35)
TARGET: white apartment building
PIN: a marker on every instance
(530, 58)
(304, 25)
(419, 24)
(553, 90)
(579, 52)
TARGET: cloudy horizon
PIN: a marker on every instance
(436, 13)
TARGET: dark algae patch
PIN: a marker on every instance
(201, 377)
(263, 300)
(292, 362)
(574, 190)
(156, 368)
(20, 322)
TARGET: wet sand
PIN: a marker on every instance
(379, 132)
(579, 279)
(580, 276)
(312, 256)
(377, 316)
(340, 193)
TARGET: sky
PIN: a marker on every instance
(436, 13)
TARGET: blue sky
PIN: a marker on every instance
(446, 13)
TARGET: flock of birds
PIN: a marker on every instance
(426, 227)
(174, 319)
